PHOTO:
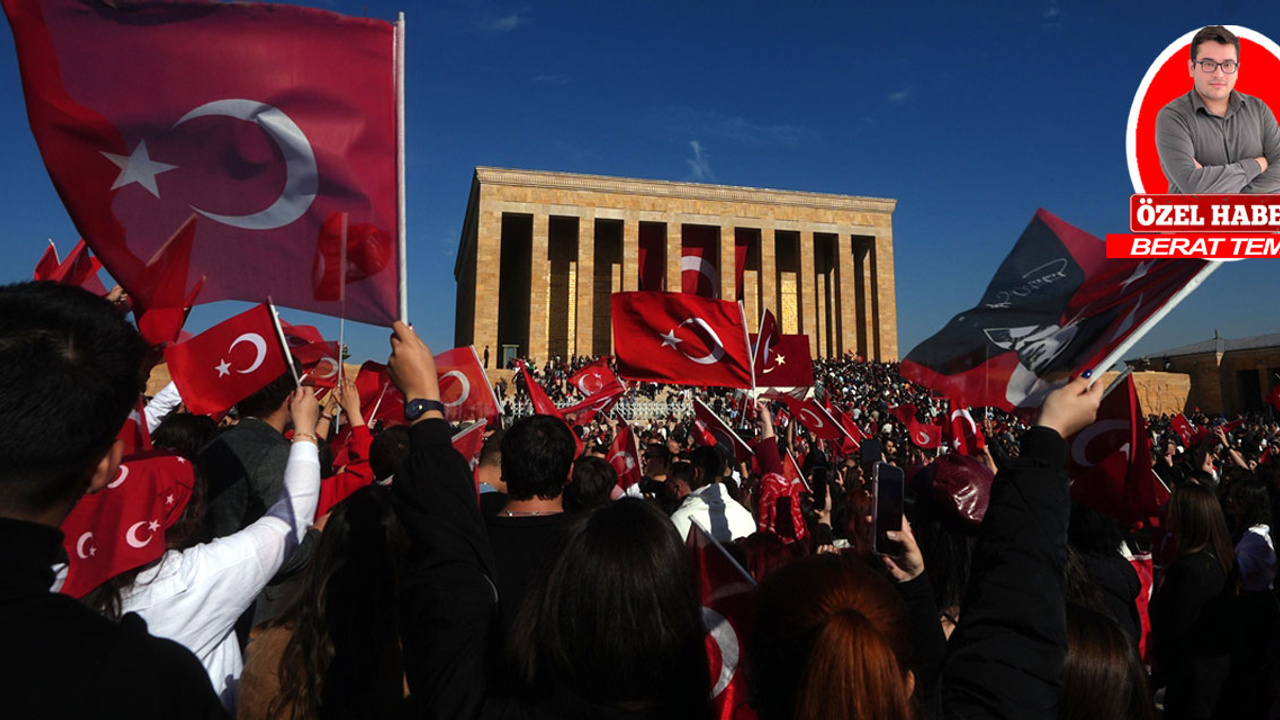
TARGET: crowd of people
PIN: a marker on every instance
(306, 571)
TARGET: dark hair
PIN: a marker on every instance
(537, 454)
(344, 652)
(709, 460)
(614, 618)
(491, 452)
(1197, 523)
(388, 451)
(1250, 498)
(832, 640)
(593, 481)
(184, 433)
(658, 455)
(1214, 33)
(1093, 533)
(1103, 678)
(72, 372)
(269, 399)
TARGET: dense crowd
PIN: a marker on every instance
(315, 567)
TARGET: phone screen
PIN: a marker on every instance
(887, 489)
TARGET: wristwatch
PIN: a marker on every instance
(415, 409)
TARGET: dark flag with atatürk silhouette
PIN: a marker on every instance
(1057, 306)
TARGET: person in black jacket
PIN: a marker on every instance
(72, 375)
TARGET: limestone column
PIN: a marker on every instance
(846, 295)
(630, 254)
(728, 279)
(540, 285)
(886, 299)
(769, 272)
(584, 336)
(866, 285)
(488, 266)
(808, 292)
(675, 233)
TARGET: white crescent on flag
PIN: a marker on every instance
(302, 177)
(463, 394)
(131, 536)
(694, 263)
(121, 474)
(717, 351)
(259, 345)
(721, 632)
(1080, 448)
(86, 537)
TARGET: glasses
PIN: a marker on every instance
(1208, 66)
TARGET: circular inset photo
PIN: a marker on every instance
(1197, 153)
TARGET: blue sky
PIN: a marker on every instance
(971, 118)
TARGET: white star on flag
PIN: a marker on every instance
(138, 167)
(153, 525)
(224, 368)
(168, 500)
(670, 339)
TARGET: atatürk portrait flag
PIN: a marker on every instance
(1056, 306)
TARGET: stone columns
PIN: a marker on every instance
(846, 293)
(488, 265)
(539, 288)
(675, 233)
(886, 302)
(728, 279)
(583, 335)
(630, 254)
(769, 272)
(808, 292)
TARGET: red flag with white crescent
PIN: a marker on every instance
(470, 442)
(700, 261)
(814, 417)
(706, 420)
(1183, 429)
(727, 593)
(624, 456)
(122, 526)
(785, 368)
(292, 122)
(228, 362)
(925, 436)
(966, 438)
(465, 390)
(681, 339)
(379, 397)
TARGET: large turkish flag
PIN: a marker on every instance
(681, 339)
(275, 124)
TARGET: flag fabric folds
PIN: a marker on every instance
(1056, 306)
(624, 456)
(464, 388)
(379, 397)
(717, 431)
(228, 362)
(784, 369)
(815, 418)
(268, 120)
(681, 339)
(727, 595)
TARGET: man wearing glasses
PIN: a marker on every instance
(1214, 139)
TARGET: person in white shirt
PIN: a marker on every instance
(709, 502)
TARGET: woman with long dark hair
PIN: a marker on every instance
(1189, 611)
(334, 650)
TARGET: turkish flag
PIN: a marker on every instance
(1056, 306)
(814, 417)
(48, 263)
(464, 388)
(1144, 566)
(542, 404)
(727, 594)
(700, 261)
(712, 427)
(926, 436)
(379, 397)
(1273, 399)
(1183, 429)
(1110, 461)
(470, 442)
(791, 471)
(853, 435)
(742, 238)
(767, 339)
(134, 432)
(320, 358)
(228, 362)
(681, 339)
(163, 303)
(624, 456)
(966, 438)
(652, 247)
(584, 412)
(786, 368)
(595, 378)
(122, 526)
(267, 120)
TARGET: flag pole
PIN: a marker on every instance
(400, 193)
(284, 344)
(1150, 322)
(742, 311)
(342, 318)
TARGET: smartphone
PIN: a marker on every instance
(887, 488)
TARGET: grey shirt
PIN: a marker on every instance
(1226, 146)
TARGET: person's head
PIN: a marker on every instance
(1103, 678)
(832, 639)
(490, 468)
(1249, 503)
(680, 479)
(708, 466)
(614, 617)
(593, 481)
(388, 451)
(72, 372)
(656, 459)
(184, 433)
(343, 611)
(270, 400)
(1214, 63)
(1197, 523)
(537, 456)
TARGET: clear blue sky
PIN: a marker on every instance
(971, 119)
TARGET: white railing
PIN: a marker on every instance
(631, 409)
